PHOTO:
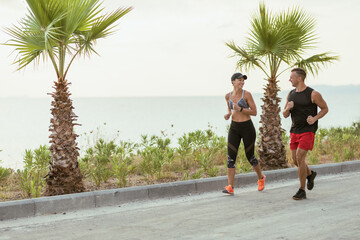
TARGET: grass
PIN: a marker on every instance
(199, 154)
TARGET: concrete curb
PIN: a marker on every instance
(88, 200)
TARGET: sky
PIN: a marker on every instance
(177, 48)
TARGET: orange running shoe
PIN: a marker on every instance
(228, 189)
(261, 183)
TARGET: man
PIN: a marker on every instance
(302, 104)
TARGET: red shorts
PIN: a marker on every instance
(302, 140)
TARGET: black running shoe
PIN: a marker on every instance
(301, 194)
(310, 178)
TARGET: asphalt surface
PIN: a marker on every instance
(331, 211)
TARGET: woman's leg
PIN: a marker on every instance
(231, 176)
(234, 140)
(249, 137)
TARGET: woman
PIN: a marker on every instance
(241, 106)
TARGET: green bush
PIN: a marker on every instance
(121, 162)
(197, 174)
(184, 150)
(348, 154)
(213, 171)
(32, 178)
(96, 162)
(197, 154)
(155, 153)
(4, 173)
(119, 170)
(201, 149)
(106, 159)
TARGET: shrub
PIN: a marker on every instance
(197, 174)
(348, 154)
(4, 173)
(184, 150)
(95, 162)
(32, 178)
(155, 153)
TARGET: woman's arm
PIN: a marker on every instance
(249, 99)
(228, 115)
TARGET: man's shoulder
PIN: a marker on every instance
(291, 92)
(310, 89)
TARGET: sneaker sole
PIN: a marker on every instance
(228, 193)
(295, 198)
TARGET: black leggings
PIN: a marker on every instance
(238, 131)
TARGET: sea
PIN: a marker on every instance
(24, 122)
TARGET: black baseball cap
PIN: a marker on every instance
(238, 76)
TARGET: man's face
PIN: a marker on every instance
(294, 79)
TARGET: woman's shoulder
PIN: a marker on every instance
(227, 95)
(247, 93)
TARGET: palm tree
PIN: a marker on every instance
(55, 29)
(276, 43)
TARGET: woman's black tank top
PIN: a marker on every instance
(303, 107)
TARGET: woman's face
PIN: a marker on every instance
(238, 82)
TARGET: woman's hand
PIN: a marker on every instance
(236, 107)
(227, 116)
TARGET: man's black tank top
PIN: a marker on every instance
(303, 107)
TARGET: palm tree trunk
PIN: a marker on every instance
(64, 173)
(271, 150)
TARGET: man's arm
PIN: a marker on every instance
(288, 107)
(320, 102)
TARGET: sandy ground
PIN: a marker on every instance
(331, 211)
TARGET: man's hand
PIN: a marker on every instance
(311, 120)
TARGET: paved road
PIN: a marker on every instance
(331, 211)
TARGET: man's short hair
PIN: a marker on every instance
(300, 71)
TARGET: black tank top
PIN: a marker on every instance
(303, 107)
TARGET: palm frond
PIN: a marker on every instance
(247, 59)
(297, 33)
(37, 33)
(104, 24)
(101, 28)
(81, 15)
(55, 28)
(314, 63)
(280, 38)
(262, 37)
(29, 45)
(45, 11)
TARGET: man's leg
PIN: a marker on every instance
(293, 155)
(303, 169)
